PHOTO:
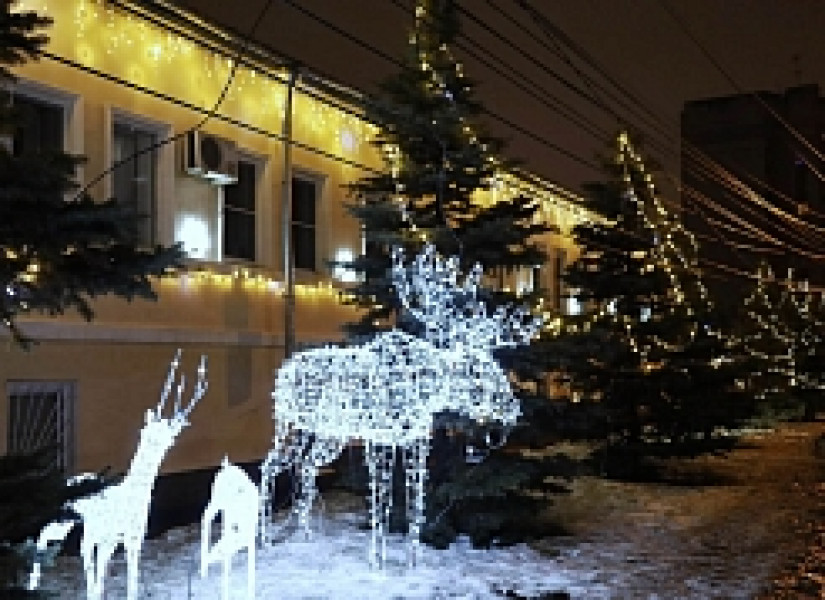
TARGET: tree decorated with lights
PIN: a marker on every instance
(768, 337)
(437, 159)
(645, 350)
(781, 326)
(58, 248)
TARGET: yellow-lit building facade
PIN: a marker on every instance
(117, 79)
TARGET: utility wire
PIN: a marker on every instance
(209, 115)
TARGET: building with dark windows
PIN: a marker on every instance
(753, 179)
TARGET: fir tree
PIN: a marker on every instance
(437, 158)
(782, 326)
(646, 351)
(766, 327)
(59, 249)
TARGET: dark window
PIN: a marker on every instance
(558, 272)
(800, 181)
(239, 214)
(133, 182)
(304, 200)
(538, 284)
(40, 418)
(38, 126)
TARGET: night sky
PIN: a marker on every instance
(762, 44)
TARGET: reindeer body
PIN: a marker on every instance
(118, 515)
(384, 393)
(235, 498)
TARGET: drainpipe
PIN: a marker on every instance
(286, 221)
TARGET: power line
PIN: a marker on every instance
(209, 115)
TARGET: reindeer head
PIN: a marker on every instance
(450, 311)
(174, 423)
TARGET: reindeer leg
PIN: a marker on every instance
(286, 452)
(323, 452)
(132, 566)
(87, 551)
(250, 571)
(102, 556)
(206, 535)
(415, 469)
(227, 558)
(380, 463)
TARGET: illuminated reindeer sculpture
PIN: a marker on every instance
(118, 514)
(386, 391)
(235, 498)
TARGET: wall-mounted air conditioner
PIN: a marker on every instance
(211, 157)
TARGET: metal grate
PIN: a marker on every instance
(41, 415)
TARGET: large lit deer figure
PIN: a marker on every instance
(235, 498)
(118, 514)
(386, 391)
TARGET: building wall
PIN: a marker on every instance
(752, 145)
(105, 65)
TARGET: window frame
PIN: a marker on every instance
(66, 404)
(259, 165)
(318, 182)
(160, 131)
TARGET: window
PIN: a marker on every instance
(558, 272)
(239, 214)
(39, 126)
(134, 182)
(40, 417)
(304, 200)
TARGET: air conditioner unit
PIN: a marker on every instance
(211, 157)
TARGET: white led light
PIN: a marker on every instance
(235, 499)
(193, 233)
(344, 274)
(118, 514)
(386, 391)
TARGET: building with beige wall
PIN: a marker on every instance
(117, 78)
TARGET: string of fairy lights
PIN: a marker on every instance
(793, 324)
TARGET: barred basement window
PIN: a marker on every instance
(41, 416)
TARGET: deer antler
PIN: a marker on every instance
(451, 312)
(200, 389)
(167, 386)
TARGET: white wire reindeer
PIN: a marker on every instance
(235, 498)
(118, 514)
(386, 391)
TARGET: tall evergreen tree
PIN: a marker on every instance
(766, 330)
(646, 349)
(438, 158)
(58, 249)
(782, 327)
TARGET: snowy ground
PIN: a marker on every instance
(630, 541)
(333, 565)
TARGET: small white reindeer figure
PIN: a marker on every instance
(386, 391)
(235, 498)
(118, 514)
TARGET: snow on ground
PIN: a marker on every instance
(333, 565)
(630, 541)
